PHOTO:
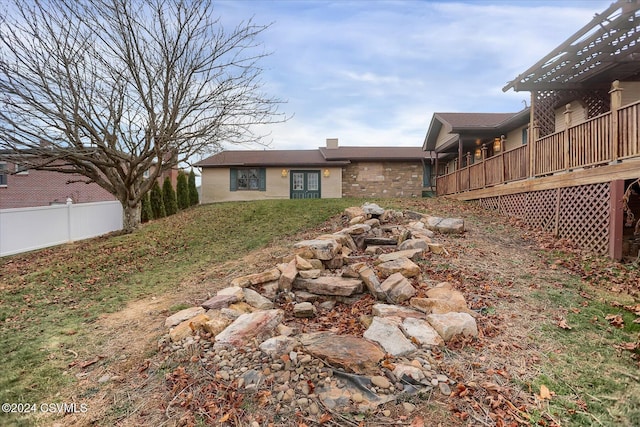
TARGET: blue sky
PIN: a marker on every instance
(372, 73)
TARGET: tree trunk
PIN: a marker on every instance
(130, 217)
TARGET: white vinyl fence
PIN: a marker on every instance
(26, 229)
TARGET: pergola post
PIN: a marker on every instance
(616, 103)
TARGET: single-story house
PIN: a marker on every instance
(326, 172)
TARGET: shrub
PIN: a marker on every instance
(183, 191)
(157, 204)
(147, 213)
(194, 199)
(169, 197)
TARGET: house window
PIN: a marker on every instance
(249, 179)
(21, 169)
(525, 136)
(3, 174)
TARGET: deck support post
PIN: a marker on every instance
(616, 218)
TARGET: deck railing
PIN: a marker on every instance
(608, 137)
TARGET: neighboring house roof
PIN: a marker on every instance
(473, 125)
(322, 157)
(604, 50)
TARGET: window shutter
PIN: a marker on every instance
(233, 184)
(262, 179)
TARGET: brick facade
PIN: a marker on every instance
(382, 179)
(43, 188)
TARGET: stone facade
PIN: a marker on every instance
(382, 179)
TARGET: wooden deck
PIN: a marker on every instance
(602, 149)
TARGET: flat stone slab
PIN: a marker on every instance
(256, 300)
(351, 353)
(182, 315)
(421, 331)
(407, 253)
(322, 249)
(401, 265)
(248, 326)
(449, 325)
(390, 310)
(257, 278)
(329, 285)
(219, 301)
(414, 243)
(380, 241)
(387, 333)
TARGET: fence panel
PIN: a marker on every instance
(27, 229)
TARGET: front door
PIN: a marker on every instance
(305, 184)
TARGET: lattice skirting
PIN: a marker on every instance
(580, 213)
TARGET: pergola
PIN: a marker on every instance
(585, 65)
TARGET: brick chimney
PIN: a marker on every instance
(332, 143)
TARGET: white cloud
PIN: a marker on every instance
(373, 73)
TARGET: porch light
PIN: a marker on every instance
(284, 173)
(478, 153)
(497, 145)
(326, 173)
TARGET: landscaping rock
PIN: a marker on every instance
(219, 301)
(248, 326)
(288, 273)
(412, 254)
(257, 278)
(322, 249)
(329, 285)
(397, 288)
(388, 310)
(182, 315)
(449, 325)
(401, 265)
(346, 351)
(445, 225)
(372, 209)
(304, 309)
(370, 279)
(421, 331)
(387, 333)
(254, 299)
(422, 244)
(187, 327)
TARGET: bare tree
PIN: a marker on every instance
(111, 89)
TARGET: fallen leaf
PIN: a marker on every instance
(615, 320)
(326, 417)
(575, 310)
(563, 324)
(544, 392)
(417, 422)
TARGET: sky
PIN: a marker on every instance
(373, 73)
